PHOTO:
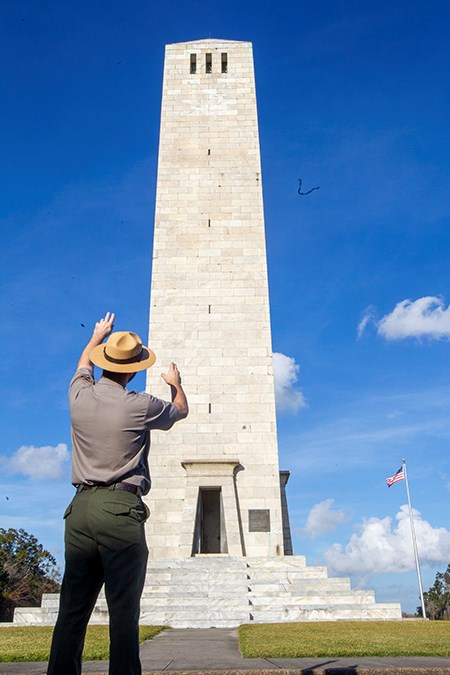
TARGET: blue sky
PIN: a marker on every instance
(353, 97)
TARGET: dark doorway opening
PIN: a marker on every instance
(209, 534)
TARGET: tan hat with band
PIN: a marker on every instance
(123, 352)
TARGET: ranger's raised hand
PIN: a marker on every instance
(104, 326)
(173, 379)
(102, 329)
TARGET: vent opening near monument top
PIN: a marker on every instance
(224, 62)
(208, 61)
(193, 64)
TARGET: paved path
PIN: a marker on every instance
(216, 649)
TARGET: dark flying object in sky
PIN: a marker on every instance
(309, 191)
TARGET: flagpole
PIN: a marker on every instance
(413, 533)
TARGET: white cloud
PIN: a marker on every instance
(425, 317)
(285, 372)
(368, 316)
(38, 463)
(323, 518)
(383, 546)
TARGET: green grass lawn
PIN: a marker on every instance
(32, 643)
(346, 638)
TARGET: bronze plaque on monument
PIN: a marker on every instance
(259, 520)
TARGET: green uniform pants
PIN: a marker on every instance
(104, 543)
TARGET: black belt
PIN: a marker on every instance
(113, 486)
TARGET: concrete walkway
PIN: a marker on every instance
(216, 650)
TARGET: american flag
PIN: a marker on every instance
(400, 475)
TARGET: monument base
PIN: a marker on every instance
(222, 591)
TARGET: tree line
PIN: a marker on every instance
(27, 571)
(437, 598)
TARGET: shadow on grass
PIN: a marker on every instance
(346, 670)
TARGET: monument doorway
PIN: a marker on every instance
(210, 530)
(211, 520)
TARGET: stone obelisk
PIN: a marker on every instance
(216, 482)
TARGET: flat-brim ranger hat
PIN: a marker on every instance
(123, 352)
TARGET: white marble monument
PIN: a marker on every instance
(216, 482)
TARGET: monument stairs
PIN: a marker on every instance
(223, 591)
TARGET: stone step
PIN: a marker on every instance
(204, 569)
(306, 592)
(197, 614)
(280, 587)
(187, 591)
(282, 563)
(220, 589)
(41, 620)
(195, 576)
(203, 563)
(194, 569)
(194, 585)
(49, 600)
(209, 558)
(41, 616)
(186, 596)
(195, 602)
(328, 582)
(261, 601)
(376, 612)
(306, 573)
(299, 586)
(27, 610)
(34, 615)
(161, 577)
(210, 576)
(50, 603)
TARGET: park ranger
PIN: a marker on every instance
(104, 523)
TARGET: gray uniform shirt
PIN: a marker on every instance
(111, 431)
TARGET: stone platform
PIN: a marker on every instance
(224, 592)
